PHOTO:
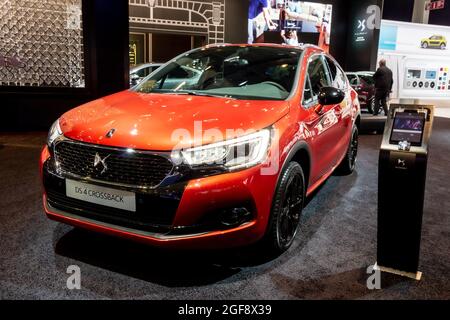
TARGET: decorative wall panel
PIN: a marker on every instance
(41, 43)
(203, 17)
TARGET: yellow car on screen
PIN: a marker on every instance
(435, 41)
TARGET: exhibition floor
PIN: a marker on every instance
(336, 243)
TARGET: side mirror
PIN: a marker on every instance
(330, 95)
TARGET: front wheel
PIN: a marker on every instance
(348, 164)
(286, 210)
(424, 45)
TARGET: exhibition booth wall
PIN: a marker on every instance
(398, 10)
(404, 10)
(441, 16)
(57, 56)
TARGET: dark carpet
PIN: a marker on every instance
(335, 245)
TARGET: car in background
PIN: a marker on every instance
(364, 85)
(435, 41)
(139, 72)
(218, 148)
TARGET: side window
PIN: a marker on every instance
(341, 79)
(307, 94)
(368, 79)
(333, 69)
(353, 79)
(154, 68)
(318, 76)
(338, 77)
(142, 73)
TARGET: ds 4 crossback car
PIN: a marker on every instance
(221, 156)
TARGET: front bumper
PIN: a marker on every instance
(191, 217)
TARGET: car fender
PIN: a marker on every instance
(299, 145)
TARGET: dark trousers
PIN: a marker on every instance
(380, 101)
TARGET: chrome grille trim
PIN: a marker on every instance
(166, 169)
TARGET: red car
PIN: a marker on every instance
(364, 85)
(217, 148)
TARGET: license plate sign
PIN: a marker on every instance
(113, 198)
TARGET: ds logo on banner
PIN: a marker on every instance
(370, 21)
(362, 25)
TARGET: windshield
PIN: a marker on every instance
(368, 78)
(260, 73)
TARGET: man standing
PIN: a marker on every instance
(256, 9)
(383, 86)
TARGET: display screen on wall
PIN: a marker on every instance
(419, 57)
(290, 22)
(41, 43)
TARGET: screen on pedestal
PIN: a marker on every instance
(408, 126)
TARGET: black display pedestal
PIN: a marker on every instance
(401, 190)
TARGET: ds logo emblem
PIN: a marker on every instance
(401, 163)
(98, 160)
(362, 25)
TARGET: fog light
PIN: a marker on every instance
(235, 216)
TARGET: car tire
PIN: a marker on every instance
(371, 105)
(347, 166)
(443, 46)
(286, 210)
(424, 45)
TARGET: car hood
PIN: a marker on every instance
(162, 122)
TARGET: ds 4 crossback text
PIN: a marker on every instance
(217, 148)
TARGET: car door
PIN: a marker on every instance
(344, 109)
(368, 86)
(322, 122)
(434, 41)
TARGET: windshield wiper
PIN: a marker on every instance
(201, 94)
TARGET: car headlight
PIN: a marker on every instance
(242, 152)
(54, 133)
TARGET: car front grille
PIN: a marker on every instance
(134, 169)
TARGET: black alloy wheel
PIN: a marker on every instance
(354, 148)
(286, 209)
(348, 164)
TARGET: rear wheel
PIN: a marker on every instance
(287, 207)
(443, 46)
(347, 165)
